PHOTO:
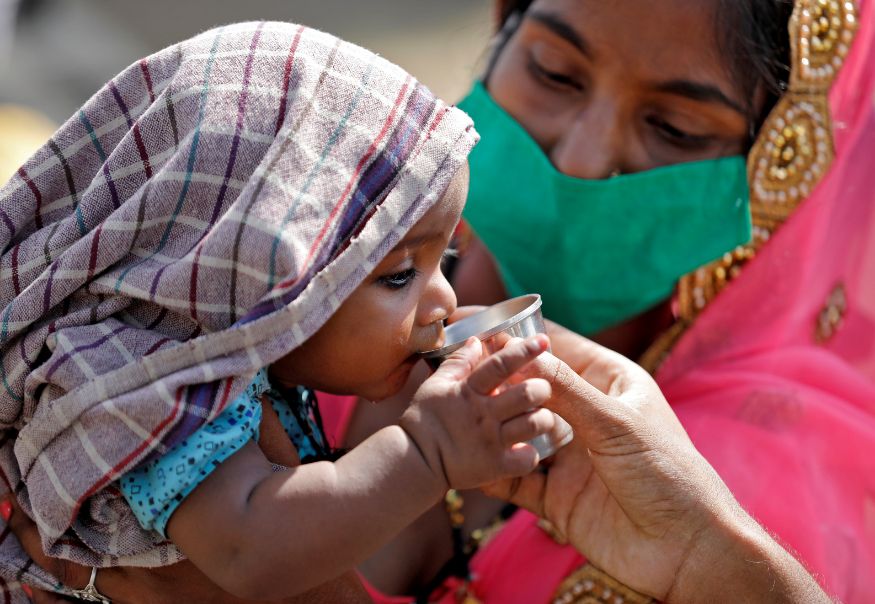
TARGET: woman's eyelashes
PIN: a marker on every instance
(553, 78)
(399, 280)
(675, 136)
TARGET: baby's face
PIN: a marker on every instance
(369, 346)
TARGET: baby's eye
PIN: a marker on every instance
(399, 280)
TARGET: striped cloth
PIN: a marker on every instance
(202, 215)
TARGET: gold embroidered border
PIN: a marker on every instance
(589, 585)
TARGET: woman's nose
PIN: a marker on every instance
(592, 147)
(440, 300)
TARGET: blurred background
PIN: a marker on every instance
(55, 53)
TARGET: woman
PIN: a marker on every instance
(774, 380)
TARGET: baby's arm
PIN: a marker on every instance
(269, 535)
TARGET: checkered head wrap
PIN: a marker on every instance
(202, 215)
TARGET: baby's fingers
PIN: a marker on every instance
(462, 362)
(519, 399)
(519, 460)
(497, 368)
(527, 426)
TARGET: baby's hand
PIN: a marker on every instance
(468, 433)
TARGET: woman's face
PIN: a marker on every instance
(621, 86)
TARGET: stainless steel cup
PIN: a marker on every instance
(518, 318)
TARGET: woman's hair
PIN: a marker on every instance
(752, 34)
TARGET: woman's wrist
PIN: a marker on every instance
(733, 559)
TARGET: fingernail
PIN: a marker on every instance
(538, 343)
(6, 509)
(26, 589)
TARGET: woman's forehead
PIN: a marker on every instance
(653, 42)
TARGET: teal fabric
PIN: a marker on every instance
(598, 251)
(155, 490)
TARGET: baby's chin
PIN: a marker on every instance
(393, 383)
(377, 391)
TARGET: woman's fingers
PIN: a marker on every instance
(575, 399)
(27, 534)
(499, 367)
(67, 573)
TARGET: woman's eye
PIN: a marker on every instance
(676, 136)
(553, 78)
(399, 280)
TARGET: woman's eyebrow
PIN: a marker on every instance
(563, 29)
(700, 92)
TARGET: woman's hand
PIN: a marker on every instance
(634, 496)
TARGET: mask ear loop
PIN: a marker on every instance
(499, 41)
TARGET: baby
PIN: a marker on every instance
(250, 214)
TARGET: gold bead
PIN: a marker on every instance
(780, 141)
(787, 154)
(788, 132)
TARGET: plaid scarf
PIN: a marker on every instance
(202, 215)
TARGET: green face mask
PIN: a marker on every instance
(598, 251)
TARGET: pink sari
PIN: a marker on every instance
(786, 414)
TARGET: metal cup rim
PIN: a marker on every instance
(529, 310)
